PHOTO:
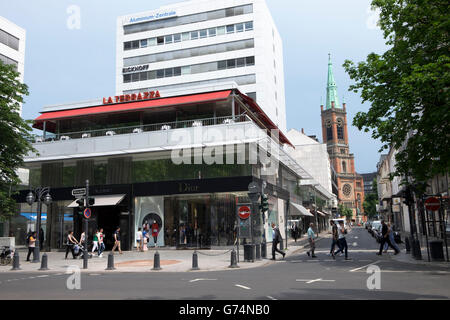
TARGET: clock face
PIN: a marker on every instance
(347, 189)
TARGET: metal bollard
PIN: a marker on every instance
(407, 245)
(44, 262)
(264, 250)
(16, 261)
(85, 259)
(195, 261)
(233, 260)
(110, 262)
(156, 262)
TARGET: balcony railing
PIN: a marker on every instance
(139, 129)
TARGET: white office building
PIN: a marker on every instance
(12, 45)
(193, 44)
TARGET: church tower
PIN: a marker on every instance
(335, 135)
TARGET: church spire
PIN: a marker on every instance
(332, 96)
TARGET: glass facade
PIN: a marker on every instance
(124, 170)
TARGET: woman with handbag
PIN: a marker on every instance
(71, 241)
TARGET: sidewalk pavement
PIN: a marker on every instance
(408, 257)
(170, 260)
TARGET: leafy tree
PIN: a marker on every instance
(15, 134)
(370, 201)
(407, 86)
(345, 212)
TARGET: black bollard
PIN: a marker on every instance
(110, 262)
(156, 262)
(195, 261)
(16, 261)
(233, 260)
(85, 259)
(44, 262)
(264, 250)
(407, 245)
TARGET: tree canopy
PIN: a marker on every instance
(14, 135)
(407, 86)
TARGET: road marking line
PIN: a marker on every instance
(355, 244)
(59, 274)
(271, 298)
(356, 269)
(308, 281)
(43, 276)
(243, 287)
(31, 277)
(195, 280)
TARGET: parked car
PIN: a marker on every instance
(367, 224)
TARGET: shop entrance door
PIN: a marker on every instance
(194, 222)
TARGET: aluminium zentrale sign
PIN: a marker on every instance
(153, 16)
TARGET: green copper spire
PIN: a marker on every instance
(332, 95)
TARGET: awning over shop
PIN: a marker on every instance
(110, 200)
(299, 210)
(131, 106)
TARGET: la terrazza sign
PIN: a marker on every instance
(132, 97)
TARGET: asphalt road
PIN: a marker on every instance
(297, 277)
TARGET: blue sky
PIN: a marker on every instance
(67, 65)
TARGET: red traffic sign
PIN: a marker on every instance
(432, 204)
(244, 212)
(87, 213)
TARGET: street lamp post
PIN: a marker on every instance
(38, 196)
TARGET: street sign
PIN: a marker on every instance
(87, 213)
(79, 192)
(432, 204)
(244, 212)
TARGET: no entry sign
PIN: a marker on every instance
(432, 204)
(87, 213)
(244, 212)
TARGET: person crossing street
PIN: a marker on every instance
(275, 241)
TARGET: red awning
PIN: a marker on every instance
(130, 106)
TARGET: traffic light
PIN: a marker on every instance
(408, 197)
(80, 202)
(264, 203)
(91, 201)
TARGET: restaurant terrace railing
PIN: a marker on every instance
(48, 137)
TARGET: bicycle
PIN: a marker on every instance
(6, 256)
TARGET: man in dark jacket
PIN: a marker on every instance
(385, 239)
(275, 241)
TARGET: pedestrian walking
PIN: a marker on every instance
(385, 239)
(312, 245)
(334, 238)
(139, 239)
(155, 232)
(31, 245)
(295, 231)
(70, 243)
(116, 241)
(343, 247)
(391, 238)
(95, 241)
(101, 243)
(276, 239)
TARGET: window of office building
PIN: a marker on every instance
(230, 28)
(212, 32)
(188, 19)
(193, 69)
(240, 80)
(7, 60)
(248, 25)
(240, 27)
(203, 33)
(9, 40)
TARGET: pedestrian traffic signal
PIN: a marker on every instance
(264, 203)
